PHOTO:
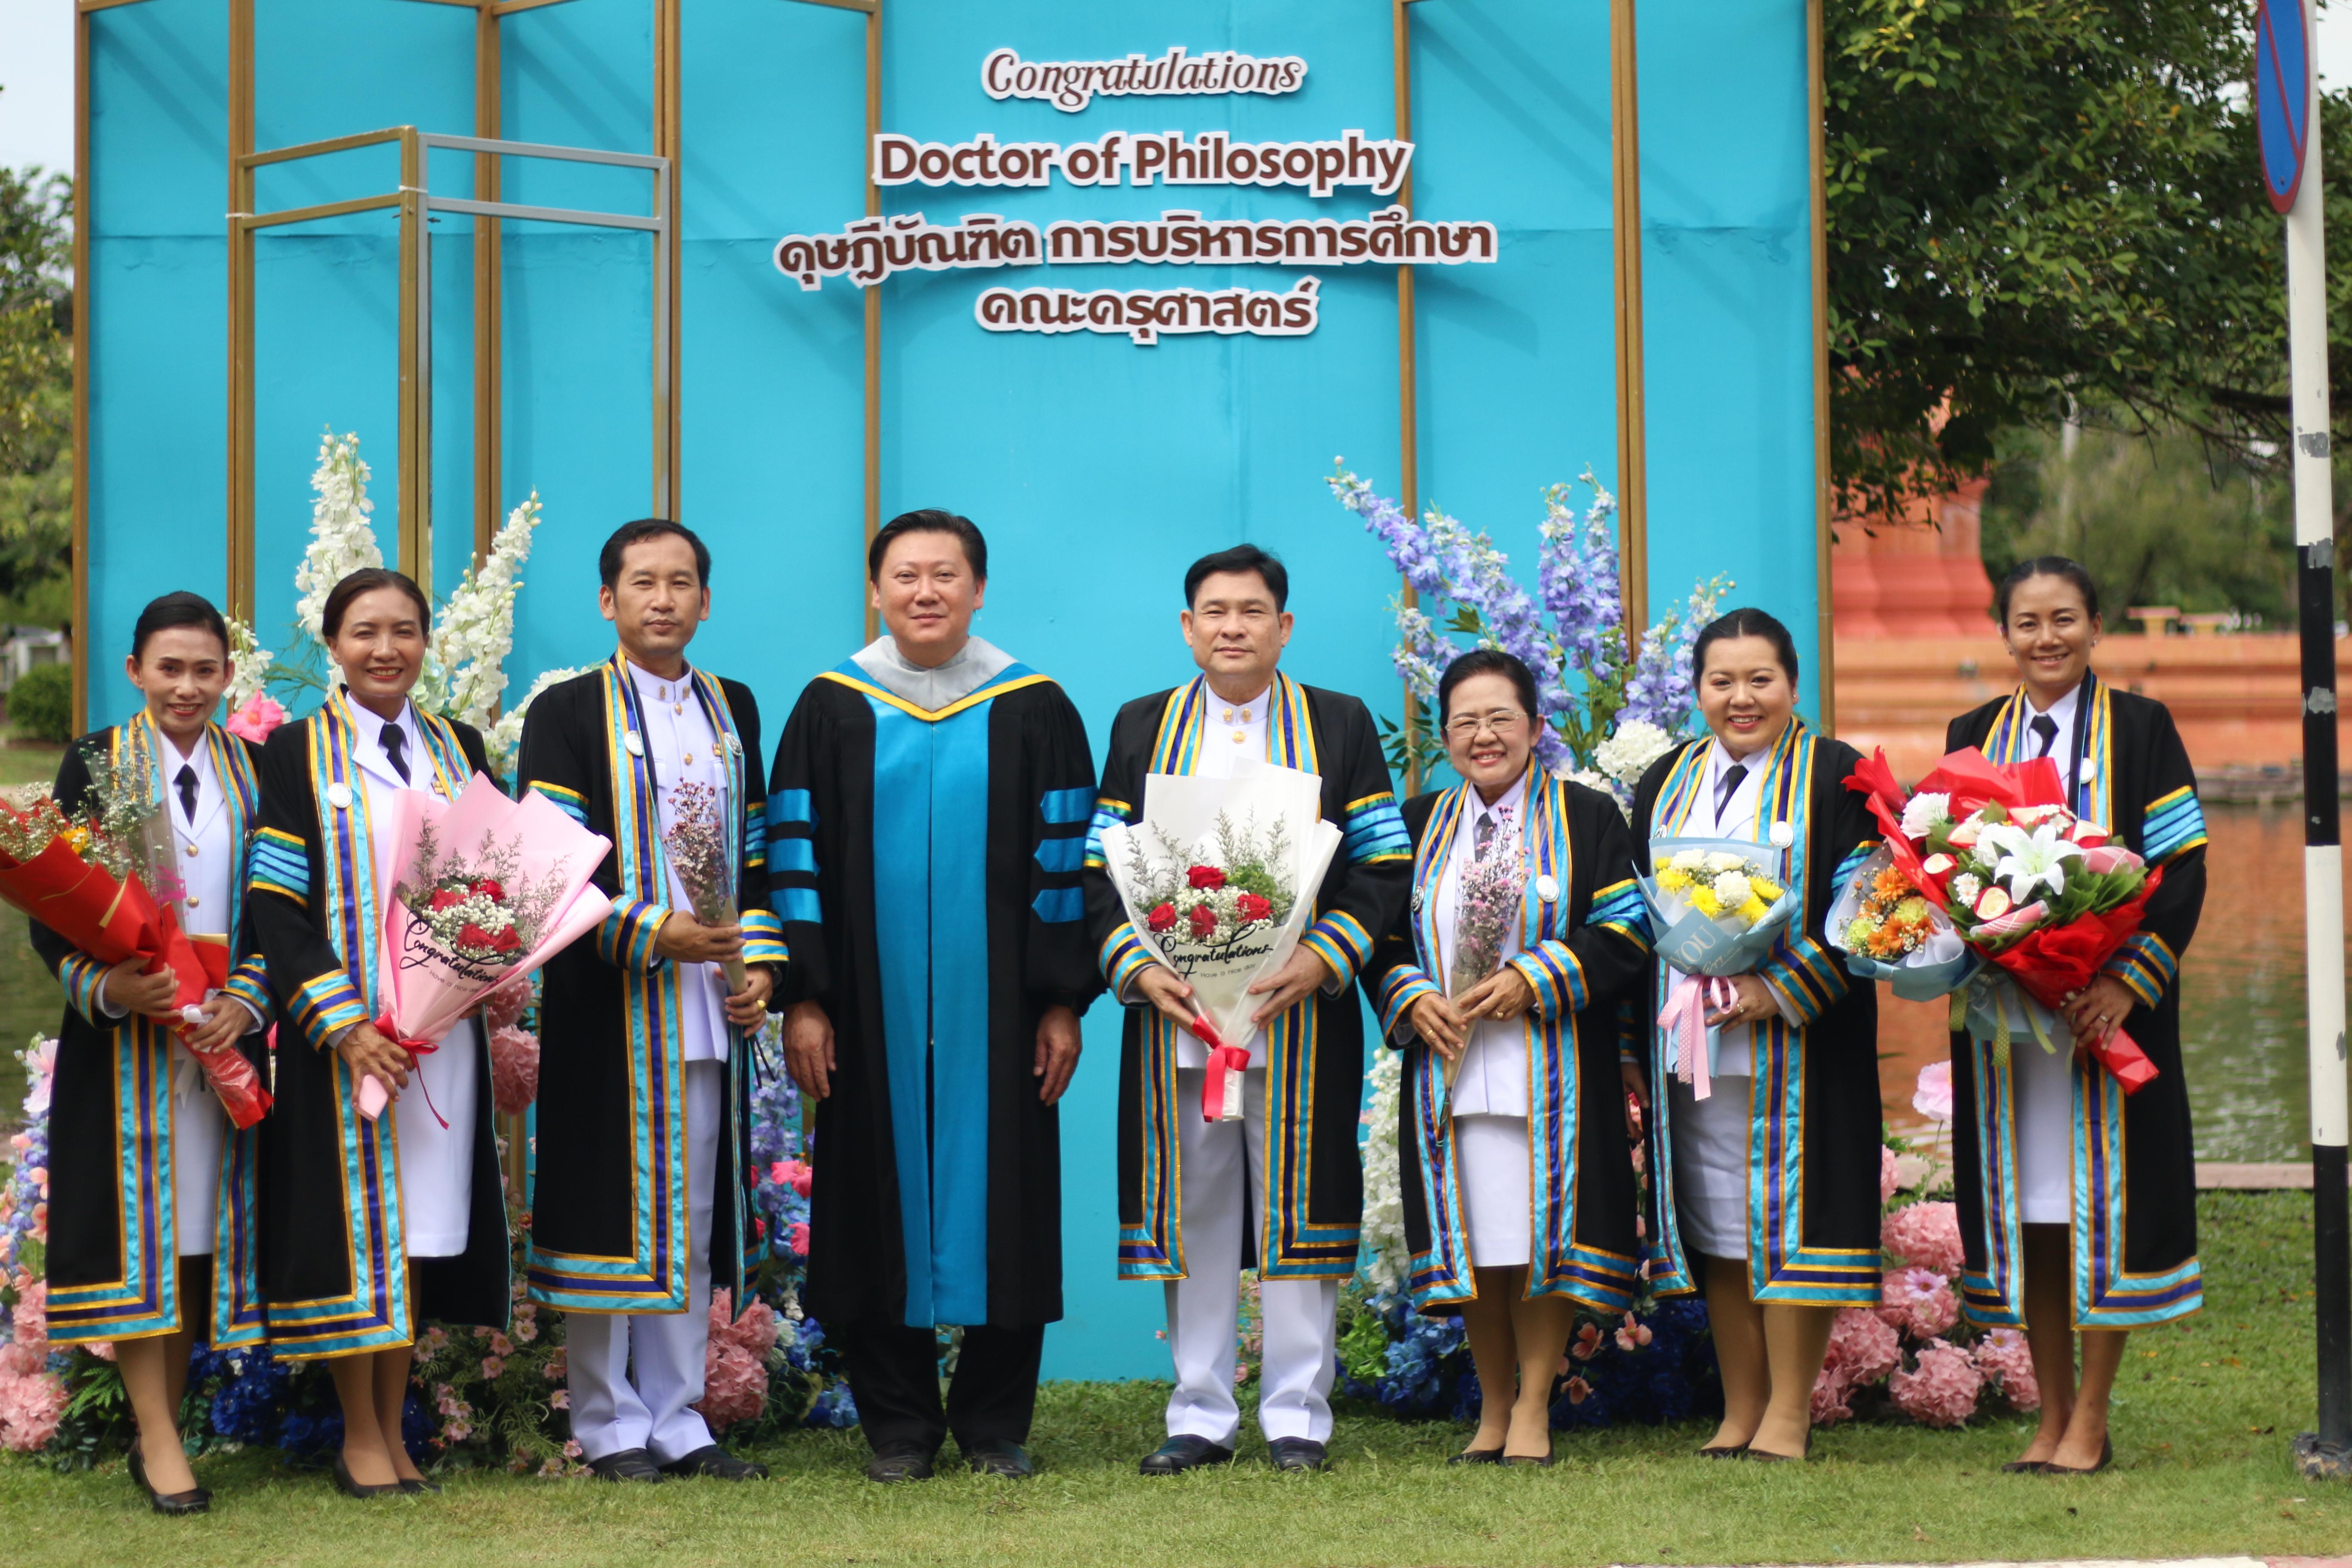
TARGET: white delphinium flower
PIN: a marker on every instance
(1383, 1255)
(1922, 812)
(476, 627)
(1965, 889)
(341, 539)
(1732, 887)
(1627, 755)
(502, 739)
(252, 662)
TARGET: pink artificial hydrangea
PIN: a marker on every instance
(1942, 1391)
(259, 715)
(2004, 1358)
(504, 1003)
(31, 1402)
(1926, 1235)
(1863, 1346)
(1830, 1390)
(734, 1387)
(1932, 1098)
(1918, 1302)
(31, 1315)
(1889, 1180)
(514, 1070)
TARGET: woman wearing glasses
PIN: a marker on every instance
(1501, 984)
(1766, 1191)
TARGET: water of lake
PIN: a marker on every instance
(2242, 999)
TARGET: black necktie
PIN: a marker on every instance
(186, 781)
(2047, 728)
(1485, 837)
(1728, 786)
(393, 742)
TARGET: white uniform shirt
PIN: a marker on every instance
(1494, 1077)
(206, 858)
(437, 1163)
(2062, 713)
(1736, 1055)
(682, 748)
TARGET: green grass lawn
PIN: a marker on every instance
(2202, 1425)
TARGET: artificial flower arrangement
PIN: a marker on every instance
(698, 844)
(104, 878)
(1891, 929)
(1223, 899)
(1717, 911)
(1609, 707)
(2041, 896)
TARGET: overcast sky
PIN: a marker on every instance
(37, 76)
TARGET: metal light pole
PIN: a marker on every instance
(2287, 108)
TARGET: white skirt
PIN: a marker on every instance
(2045, 1132)
(1490, 1163)
(1711, 1166)
(437, 1163)
(199, 1132)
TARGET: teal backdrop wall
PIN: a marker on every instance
(1098, 469)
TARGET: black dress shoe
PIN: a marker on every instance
(1477, 1456)
(1183, 1453)
(1541, 1461)
(2107, 1457)
(1299, 1454)
(998, 1457)
(1722, 1451)
(196, 1499)
(628, 1465)
(716, 1462)
(898, 1462)
(2024, 1466)
(349, 1488)
(420, 1487)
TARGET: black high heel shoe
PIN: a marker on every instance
(349, 1488)
(196, 1499)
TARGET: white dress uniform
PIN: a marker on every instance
(1711, 1134)
(208, 859)
(636, 1376)
(1298, 1318)
(437, 1163)
(1489, 1103)
(2045, 1082)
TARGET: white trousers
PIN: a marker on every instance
(2045, 1132)
(634, 1375)
(1222, 1171)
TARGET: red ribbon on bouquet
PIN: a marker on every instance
(372, 1088)
(1222, 1059)
(1685, 1019)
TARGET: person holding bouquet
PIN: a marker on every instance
(927, 818)
(1790, 1112)
(1199, 1200)
(2077, 1198)
(369, 1226)
(1502, 981)
(151, 1186)
(643, 1030)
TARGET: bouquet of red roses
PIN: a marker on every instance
(95, 881)
(2041, 894)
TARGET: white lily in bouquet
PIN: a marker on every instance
(1218, 880)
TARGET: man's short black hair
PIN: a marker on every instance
(608, 560)
(1240, 558)
(929, 520)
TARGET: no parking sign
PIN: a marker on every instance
(2281, 95)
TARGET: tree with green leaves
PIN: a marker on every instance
(2040, 209)
(36, 307)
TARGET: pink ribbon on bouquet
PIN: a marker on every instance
(1222, 1059)
(1685, 1019)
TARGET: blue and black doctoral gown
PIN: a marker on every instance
(1314, 1216)
(113, 1249)
(608, 1229)
(2135, 1168)
(925, 862)
(1815, 1124)
(335, 1271)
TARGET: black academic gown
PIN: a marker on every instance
(2135, 1230)
(1315, 1052)
(113, 1249)
(925, 865)
(334, 1267)
(609, 1214)
(1817, 1125)
(1582, 950)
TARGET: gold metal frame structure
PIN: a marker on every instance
(1824, 487)
(414, 202)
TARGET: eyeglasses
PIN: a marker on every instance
(1503, 721)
